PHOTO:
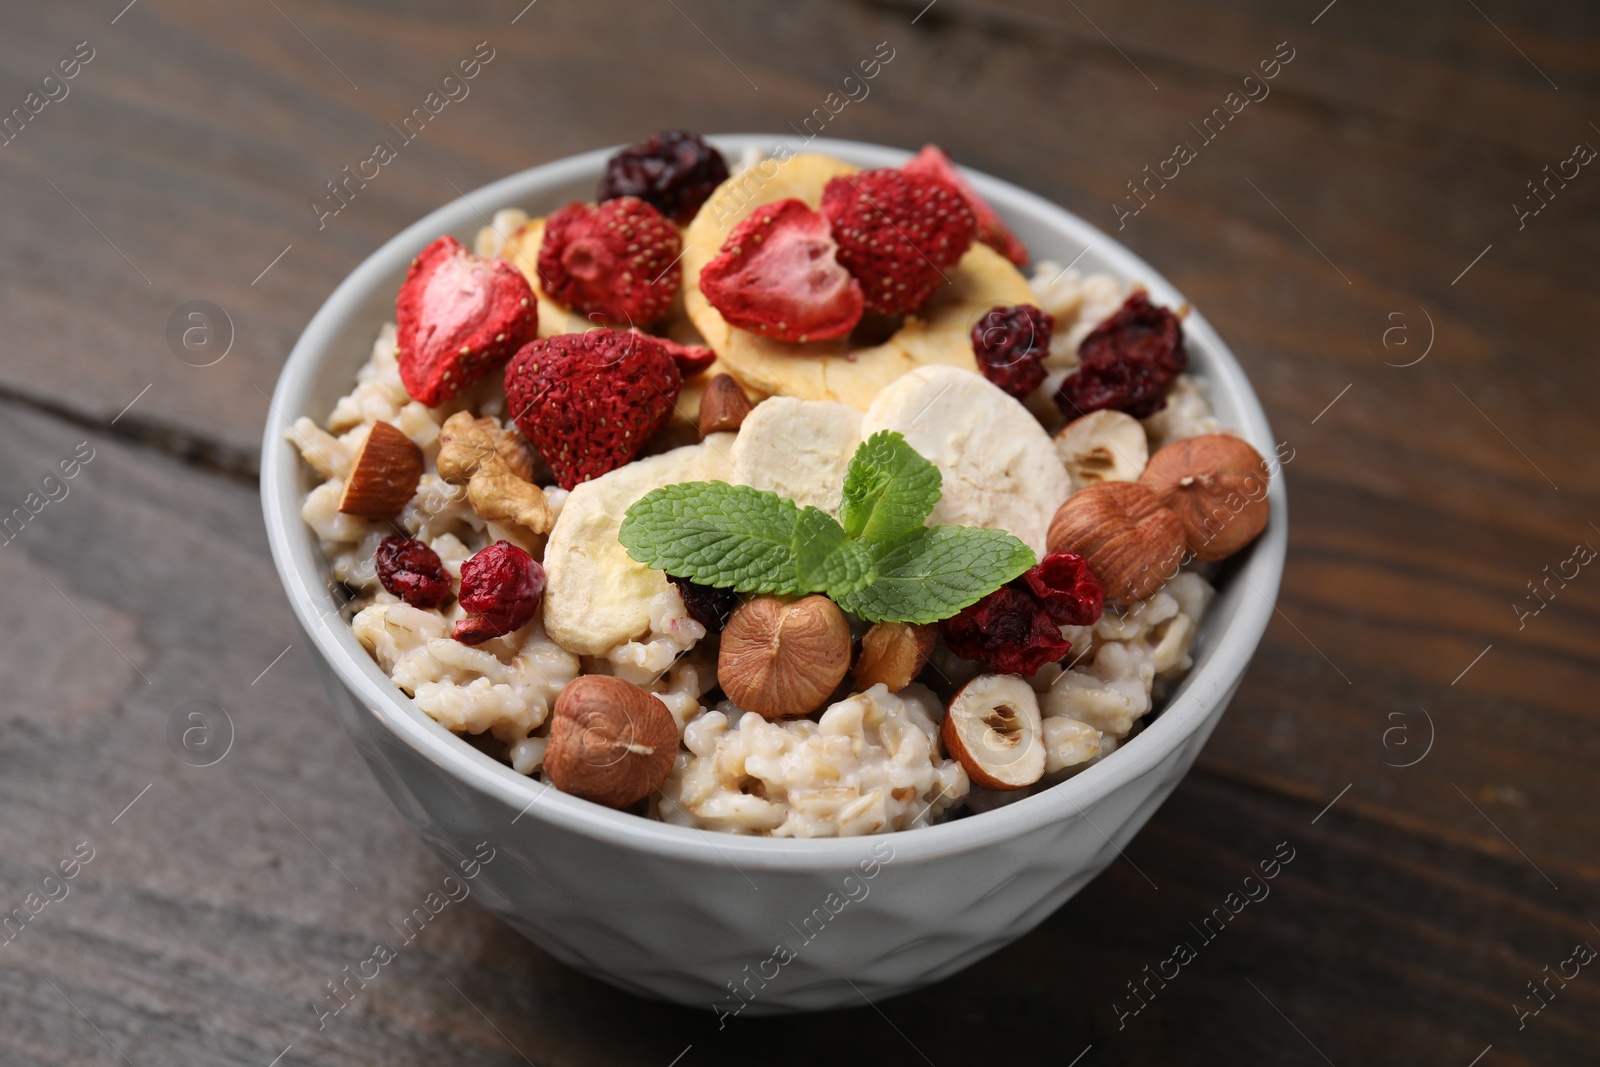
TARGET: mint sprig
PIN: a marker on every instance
(882, 563)
(932, 573)
(889, 489)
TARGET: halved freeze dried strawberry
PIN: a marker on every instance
(618, 260)
(778, 275)
(459, 315)
(991, 231)
(897, 234)
(589, 401)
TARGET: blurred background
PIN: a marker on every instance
(1398, 240)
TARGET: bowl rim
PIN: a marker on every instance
(297, 556)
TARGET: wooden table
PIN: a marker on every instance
(1426, 751)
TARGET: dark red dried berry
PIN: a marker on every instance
(1010, 344)
(707, 605)
(1126, 362)
(411, 571)
(1068, 590)
(500, 588)
(1007, 631)
(674, 170)
(1017, 628)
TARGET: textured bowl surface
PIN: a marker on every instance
(731, 923)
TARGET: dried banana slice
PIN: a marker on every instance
(1001, 470)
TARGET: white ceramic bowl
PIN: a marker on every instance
(728, 922)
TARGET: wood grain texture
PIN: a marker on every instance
(1346, 205)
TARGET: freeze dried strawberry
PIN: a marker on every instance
(1010, 345)
(991, 231)
(459, 315)
(1017, 628)
(691, 359)
(1066, 588)
(778, 275)
(618, 260)
(707, 605)
(589, 401)
(1126, 362)
(500, 589)
(672, 170)
(411, 571)
(897, 234)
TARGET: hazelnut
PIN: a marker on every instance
(894, 653)
(1217, 485)
(385, 475)
(1103, 446)
(723, 407)
(1132, 543)
(992, 726)
(784, 657)
(610, 741)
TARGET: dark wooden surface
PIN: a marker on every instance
(1425, 498)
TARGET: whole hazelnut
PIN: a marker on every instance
(894, 653)
(724, 406)
(1217, 484)
(1132, 543)
(783, 657)
(610, 741)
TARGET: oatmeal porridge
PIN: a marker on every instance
(779, 501)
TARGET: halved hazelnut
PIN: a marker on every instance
(1132, 543)
(894, 653)
(1103, 446)
(610, 741)
(723, 407)
(1217, 485)
(781, 657)
(385, 475)
(992, 726)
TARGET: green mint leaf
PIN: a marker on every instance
(827, 561)
(713, 533)
(889, 489)
(934, 572)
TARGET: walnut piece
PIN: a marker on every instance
(495, 466)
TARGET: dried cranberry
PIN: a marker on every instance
(1007, 631)
(1140, 330)
(707, 605)
(1017, 628)
(1067, 589)
(1135, 388)
(411, 571)
(1126, 362)
(673, 170)
(500, 588)
(1010, 343)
